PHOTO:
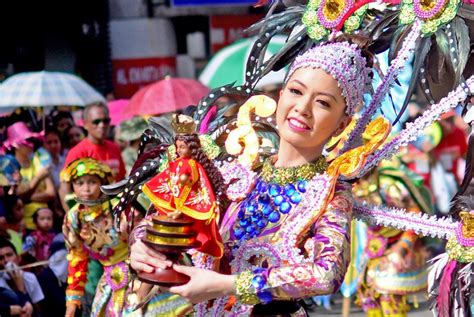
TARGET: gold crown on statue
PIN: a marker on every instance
(183, 124)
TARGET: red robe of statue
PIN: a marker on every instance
(195, 200)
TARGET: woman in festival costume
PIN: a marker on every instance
(286, 235)
(396, 263)
(90, 233)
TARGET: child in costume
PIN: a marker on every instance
(38, 242)
(396, 264)
(90, 233)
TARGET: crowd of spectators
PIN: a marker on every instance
(34, 200)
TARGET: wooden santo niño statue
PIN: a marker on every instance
(185, 203)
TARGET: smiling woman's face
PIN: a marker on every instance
(311, 109)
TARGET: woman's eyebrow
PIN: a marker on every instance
(328, 95)
(299, 82)
(319, 93)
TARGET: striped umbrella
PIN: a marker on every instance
(228, 64)
(38, 89)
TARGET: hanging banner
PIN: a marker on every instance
(226, 29)
(143, 52)
(132, 74)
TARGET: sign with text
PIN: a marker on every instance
(226, 29)
(132, 74)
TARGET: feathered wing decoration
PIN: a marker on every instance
(396, 66)
(414, 129)
(422, 49)
(266, 29)
(307, 26)
(443, 54)
(443, 301)
(207, 102)
(468, 175)
(450, 287)
(451, 277)
(153, 145)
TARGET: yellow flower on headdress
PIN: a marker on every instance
(86, 166)
(324, 16)
(432, 13)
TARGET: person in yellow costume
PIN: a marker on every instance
(396, 264)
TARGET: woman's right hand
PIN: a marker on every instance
(145, 259)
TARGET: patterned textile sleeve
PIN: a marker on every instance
(78, 259)
(329, 248)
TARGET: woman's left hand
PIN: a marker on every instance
(203, 285)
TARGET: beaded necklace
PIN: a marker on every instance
(286, 175)
(276, 192)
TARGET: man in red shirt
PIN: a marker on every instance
(453, 145)
(95, 145)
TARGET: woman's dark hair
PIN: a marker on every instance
(362, 42)
(9, 203)
(5, 243)
(65, 141)
(52, 130)
(59, 115)
(217, 181)
(36, 213)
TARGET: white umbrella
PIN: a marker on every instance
(38, 89)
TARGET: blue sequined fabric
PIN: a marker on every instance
(266, 204)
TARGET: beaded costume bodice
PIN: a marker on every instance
(283, 224)
(276, 192)
(267, 227)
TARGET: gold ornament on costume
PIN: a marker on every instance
(350, 163)
(244, 133)
(183, 124)
(457, 252)
(287, 175)
(467, 219)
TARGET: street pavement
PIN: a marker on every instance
(356, 311)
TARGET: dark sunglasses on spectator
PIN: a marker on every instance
(106, 121)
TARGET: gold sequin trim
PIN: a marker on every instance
(287, 175)
(458, 252)
(244, 290)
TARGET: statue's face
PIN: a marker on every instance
(182, 149)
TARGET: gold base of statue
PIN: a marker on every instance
(171, 237)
